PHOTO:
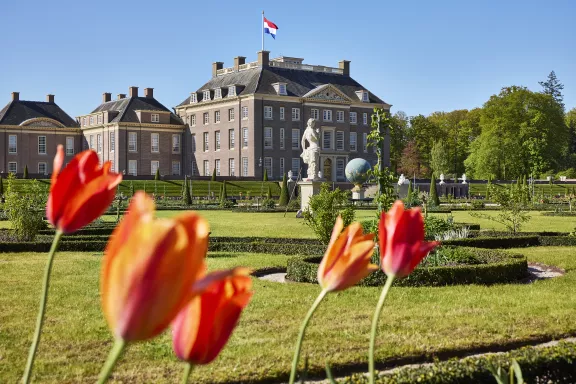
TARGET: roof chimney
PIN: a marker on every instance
(15, 96)
(50, 98)
(121, 96)
(149, 93)
(106, 97)
(216, 66)
(133, 92)
(263, 58)
(238, 61)
(344, 65)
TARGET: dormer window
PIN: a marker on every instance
(231, 91)
(193, 98)
(206, 96)
(280, 88)
(363, 95)
(218, 93)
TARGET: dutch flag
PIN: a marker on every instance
(270, 28)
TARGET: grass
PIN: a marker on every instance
(417, 322)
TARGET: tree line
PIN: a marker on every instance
(516, 133)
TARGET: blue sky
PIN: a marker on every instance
(420, 56)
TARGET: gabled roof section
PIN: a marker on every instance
(327, 92)
(125, 109)
(19, 111)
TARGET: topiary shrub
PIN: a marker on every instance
(157, 174)
(284, 195)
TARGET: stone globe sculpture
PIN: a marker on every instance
(357, 173)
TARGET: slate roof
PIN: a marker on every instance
(298, 82)
(18, 111)
(125, 109)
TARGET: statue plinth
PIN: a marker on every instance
(308, 188)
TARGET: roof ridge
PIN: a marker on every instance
(123, 112)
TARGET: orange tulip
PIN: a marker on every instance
(402, 245)
(148, 269)
(203, 327)
(347, 259)
(81, 192)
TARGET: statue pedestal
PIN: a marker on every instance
(308, 188)
(358, 195)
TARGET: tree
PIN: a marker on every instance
(433, 199)
(265, 178)
(187, 194)
(571, 124)
(157, 175)
(397, 132)
(376, 138)
(439, 160)
(25, 176)
(423, 132)
(25, 209)
(224, 193)
(269, 194)
(284, 195)
(513, 209)
(410, 161)
(553, 87)
(214, 175)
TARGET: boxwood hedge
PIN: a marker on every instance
(494, 267)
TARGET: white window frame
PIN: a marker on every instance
(365, 97)
(231, 91)
(282, 113)
(244, 113)
(206, 168)
(315, 113)
(99, 119)
(268, 167)
(112, 141)
(282, 138)
(364, 142)
(327, 115)
(365, 118)
(13, 150)
(217, 93)
(232, 167)
(178, 171)
(295, 138)
(330, 134)
(91, 142)
(155, 148)
(133, 167)
(340, 164)
(245, 138)
(99, 144)
(206, 95)
(193, 97)
(15, 167)
(91, 120)
(83, 121)
(353, 117)
(206, 142)
(268, 138)
(217, 166)
(194, 166)
(353, 141)
(231, 113)
(193, 143)
(155, 117)
(69, 148)
(282, 166)
(282, 89)
(176, 146)
(245, 166)
(339, 137)
(112, 165)
(340, 116)
(217, 143)
(45, 172)
(193, 120)
(268, 112)
(295, 114)
(206, 118)
(231, 139)
(295, 166)
(40, 151)
(132, 136)
(154, 164)
(216, 117)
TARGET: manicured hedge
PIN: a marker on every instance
(499, 267)
(496, 242)
(558, 240)
(267, 240)
(71, 246)
(272, 248)
(554, 364)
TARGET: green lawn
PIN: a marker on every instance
(416, 322)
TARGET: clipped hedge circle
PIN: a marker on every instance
(490, 267)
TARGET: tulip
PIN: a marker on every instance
(203, 327)
(148, 270)
(402, 248)
(78, 195)
(81, 192)
(345, 263)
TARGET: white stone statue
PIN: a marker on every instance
(290, 175)
(464, 178)
(401, 179)
(311, 154)
(320, 174)
(441, 178)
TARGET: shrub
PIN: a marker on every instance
(284, 195)
(214, 175)
(435, 226)
(157, 175)
(294, 203)
(433, 199)
(477, 204)
(26, 210)
(513, 206)
(265, 178)
(268, 204)
(25, 176)
(226, 204)
(324, 208)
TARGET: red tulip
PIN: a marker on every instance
(402, 245)
(203, 327)
(81, 192)
(347, 259)
(148, 268)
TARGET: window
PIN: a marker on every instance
(353, 118)
(315, 114)
(83, 121)
(231, 139)
(217, 116)
(175, 143)
(217, 165)
(193, 120)
(268, 113)
(339, 140)
(193, 97)
(281, 138)
(194, 168)
(295, 166)
(268, 166)
(91, 142)
(154, 166)
(231, 114)
(268, 137)
(244, 112)
(217, 140)
(295, 139)
(206, 147)
(365, 118)
(218, 93)
(176, 168)
(99, 119)
(99, 143)
(340, 116)
(42, 145)
(327, 115)
(155, 140)
(132, 147)
(326, 139)
(133, 167)
(155, 117)
(282, 89)
(206, 168)
(206, 118)
(42, 168)
(112, 165)
(231, 91)
(206, 96)
(339, 168)
(91, 120)
(365, 96)
(69, 146)
(12, 144)
(282, 166)
(244, 137)
(244, 166)
(365, 142)
(353, 141)
(295, 114)
(231, 167)
(193, 143)
(12, 167)
(112, 141)
(281, 113)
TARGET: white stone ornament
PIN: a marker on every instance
(401, 179)
(464, 179)
(311, 154)
(290, 175)
(441, 178)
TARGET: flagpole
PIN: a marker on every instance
(262, 27)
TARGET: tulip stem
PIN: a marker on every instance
(379, 306)
(187, 369)
(301, 335)
(113, 357)
(42, 310)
